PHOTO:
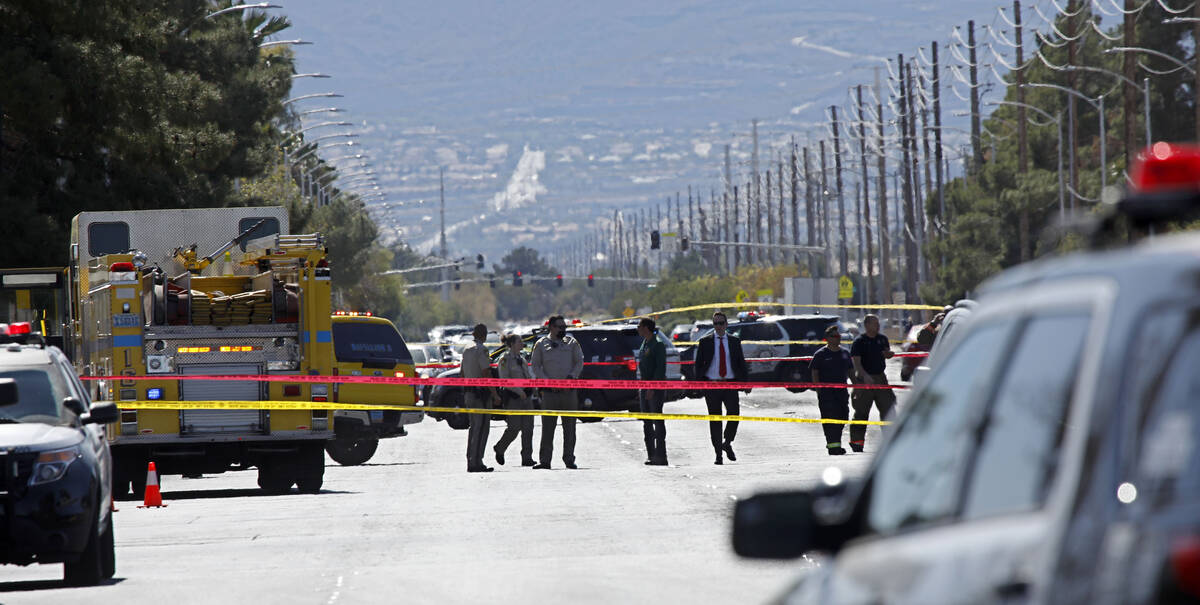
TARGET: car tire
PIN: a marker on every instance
(455, 399)
(108, 551)
(88, 570)
(351, 452)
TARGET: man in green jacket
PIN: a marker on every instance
(652, 365)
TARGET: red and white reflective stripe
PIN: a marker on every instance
(625, 363)
(657, 385)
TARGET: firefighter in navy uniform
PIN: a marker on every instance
(831, 364)
(868, 353)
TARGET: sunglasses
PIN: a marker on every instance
(718, 323)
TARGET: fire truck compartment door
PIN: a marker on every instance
(221, 421)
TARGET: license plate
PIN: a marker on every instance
(127, 320)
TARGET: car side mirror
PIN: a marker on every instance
(74, 405)
(8, 391)
(774, 525)
(105, 412)
(785, 525)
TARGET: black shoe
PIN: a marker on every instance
(718, 460)
(570, 465)
(527, 463)
(541, 465)
(480, 469)
(499, 457)
(728, 447)
(837, 451)
(856, 447)
(648, 462)
(658, 462)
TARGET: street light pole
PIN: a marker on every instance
(1144, 87)
(1097, 103)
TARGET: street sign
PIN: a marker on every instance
(845, 287)
(628, 312)
(742, 295)
(765, 292)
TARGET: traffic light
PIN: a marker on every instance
(517, 278)
(591, 281)
(492, 282)
(479, 261)
(558, 279)
(683, 244)
(655, 240)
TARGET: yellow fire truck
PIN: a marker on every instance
(144, 302)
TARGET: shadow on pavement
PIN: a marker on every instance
(249, 492)
(23, 585)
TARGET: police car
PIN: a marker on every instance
(1051, 455)
(55, 466)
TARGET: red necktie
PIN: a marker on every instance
(721, 344)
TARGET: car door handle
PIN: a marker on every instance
(1012, 589)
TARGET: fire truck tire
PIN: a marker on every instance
(274, 479)
(351, 452)
(310, 470)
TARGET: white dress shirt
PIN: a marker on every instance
(714, 370)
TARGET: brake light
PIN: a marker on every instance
(19, 328)
(1185, 564)
(630, 362)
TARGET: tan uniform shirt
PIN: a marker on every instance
(477, 364)
(514, 366)
(557, 358)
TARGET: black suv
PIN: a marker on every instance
(615, 345)
(766, 337)
(55, 467)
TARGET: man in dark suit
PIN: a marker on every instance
(719, 357)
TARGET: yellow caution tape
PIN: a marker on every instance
(772, 304)
(322, 405)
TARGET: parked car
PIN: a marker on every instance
(55, 465)
(766, 337)
(682, 332)
(612, 344)
(1052, 455)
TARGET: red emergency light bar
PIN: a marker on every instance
(1166, 167)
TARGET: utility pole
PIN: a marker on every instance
(728, 194)
(444, 254)
(866, 194)
(1196, 83)
(737, 256)
(858, 201)
(753, 224)
(906, 174)
(1072, 60)
(976, 147)
(1022, 140)
(809, 217)
(1129, 67)
(885, 266)
(768, 255)
(922, 210)
(782, 212)
(795, 204)
(843, 253)
(691, 222)
(825, 211)
(937, 138)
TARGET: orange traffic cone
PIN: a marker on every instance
(152, 498)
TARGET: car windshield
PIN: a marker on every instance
(39, 397)
(358, 342)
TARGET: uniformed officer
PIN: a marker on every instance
(477, 364)
(557, 356)
(831, 364)
(512, 365)
(868, 354)
(652, 365)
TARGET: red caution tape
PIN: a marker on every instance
(656, 385)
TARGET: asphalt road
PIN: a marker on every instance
(412, 526)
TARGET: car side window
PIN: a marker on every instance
(1167, 469)
(919, 476)
(770, 331)
(1019, 447)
